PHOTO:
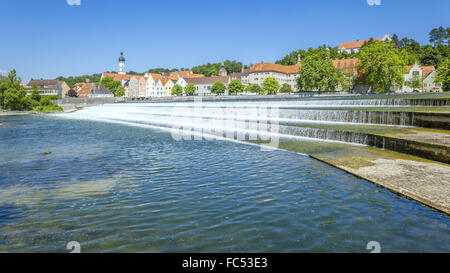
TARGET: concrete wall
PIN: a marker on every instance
(72, 104)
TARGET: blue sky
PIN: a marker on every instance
(49, 38)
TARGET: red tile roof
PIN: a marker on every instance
(83, 89)
(346, 65)
(271, 67)
(426, 70)
(356, 44)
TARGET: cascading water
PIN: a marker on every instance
(253, 120)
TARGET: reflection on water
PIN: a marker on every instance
(116, 188)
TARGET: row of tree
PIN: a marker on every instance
(212, 69)
(13, 96)
(431, 54)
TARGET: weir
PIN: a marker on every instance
(337, 131)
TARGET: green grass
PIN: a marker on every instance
(47, 109)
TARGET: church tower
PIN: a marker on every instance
(223, 71)
(122, 64)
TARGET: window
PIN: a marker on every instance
(415, 73)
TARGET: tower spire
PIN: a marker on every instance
(122, 64)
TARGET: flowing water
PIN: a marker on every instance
(118, 180)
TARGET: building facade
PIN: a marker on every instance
(203, 85)
(46, 87)
(425, 75)
(282, 73)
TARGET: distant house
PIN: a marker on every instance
(65, 88)
(425, 74)
(288, 74)
(101, 92)
(46, 87)
(83, 89)
(356, 46)
(168, 86)
(244, 76)
(154, 87)
(284, 74)
(203, 85)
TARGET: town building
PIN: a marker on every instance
(137, 86)
(356, 46)
(203, 85)
(425, 75)
(83, 89)
(282, 73)
(101, 92)
(46, 87)
(65, 88)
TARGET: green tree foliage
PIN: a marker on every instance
(189, 89)
(114, 86)
(218, 88)
(271, 85)
(286, 88)
(318, 72)
(254, 88)
(383, 65)
(212, 69)
(12, 94)
(416, 82)
(75, 79)
(443, 75)
(235, 86)
(439, 36)
(35, 93)
(162, 70)
(177, 89)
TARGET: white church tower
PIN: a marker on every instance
(122, 64)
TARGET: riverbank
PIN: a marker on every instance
(4, 113)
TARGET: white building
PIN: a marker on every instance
(203, 85)
(425, 75)
(282, 73)
(356, 46)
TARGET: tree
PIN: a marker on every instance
(416, 82)
(114, 86)
(235, 86)
(218, 88)
(395, 40)
(271, 85)
(177, 89)
(318, 72)
(35, 93)
(438, 36)
(286, 88)
(189, 89)
(12, 94)
(383, 66)
(212, 69)
(253, 88)
(84, 78)
(443, 75)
